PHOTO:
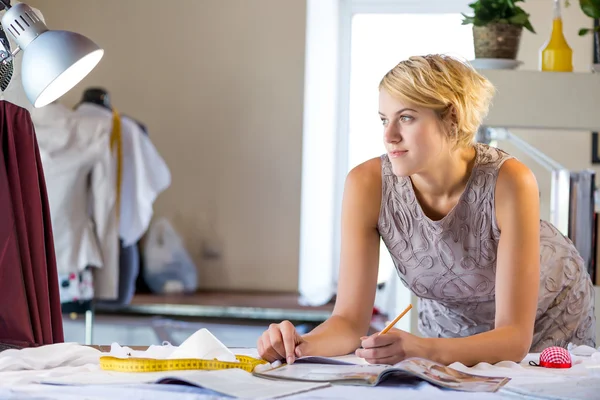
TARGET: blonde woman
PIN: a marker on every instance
(461, 222)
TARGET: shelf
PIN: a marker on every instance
(544, 100)
(226, 304)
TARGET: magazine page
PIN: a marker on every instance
(350, 359)
(447, 377)
(241, 384)
(333, 373)
(372, 375)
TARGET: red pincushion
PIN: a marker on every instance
(555, 357)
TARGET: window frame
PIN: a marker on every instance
(347, 10)
(325, 144)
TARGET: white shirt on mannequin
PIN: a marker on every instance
(79, 173)
(144, 175)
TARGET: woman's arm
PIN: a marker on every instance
(517, 276)
(359, 264)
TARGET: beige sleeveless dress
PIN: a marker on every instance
(450, 264)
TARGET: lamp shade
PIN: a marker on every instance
(53, 61)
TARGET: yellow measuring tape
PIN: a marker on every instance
(108, 363)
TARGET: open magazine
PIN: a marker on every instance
(319, 369)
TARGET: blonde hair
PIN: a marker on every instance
(454, 90)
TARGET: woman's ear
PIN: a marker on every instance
(449, 121)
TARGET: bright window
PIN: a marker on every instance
(350, 44)
(378, 42)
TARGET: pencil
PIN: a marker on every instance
(395, 321)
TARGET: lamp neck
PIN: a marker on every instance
(5, 4)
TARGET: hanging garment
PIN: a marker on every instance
(144, 176)
(28, 278)
(30, 313)
(75, 152)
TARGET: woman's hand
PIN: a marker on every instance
(391, 347)
(281, 342)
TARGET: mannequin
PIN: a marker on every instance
(129, 254)
(101, 97)
(96, 95)
(144, 175)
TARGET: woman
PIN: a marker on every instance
(461, 222)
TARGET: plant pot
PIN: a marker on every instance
(497, 40)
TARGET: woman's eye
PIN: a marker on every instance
(406, 118)
(384, 122)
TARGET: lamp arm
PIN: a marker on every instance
(5, 55)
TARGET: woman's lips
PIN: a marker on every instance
(397, 153)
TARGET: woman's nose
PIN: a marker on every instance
(391, 134)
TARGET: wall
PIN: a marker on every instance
(570, 148)
(219, 83)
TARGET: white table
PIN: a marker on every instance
(21, 374)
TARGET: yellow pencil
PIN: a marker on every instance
(395, 321)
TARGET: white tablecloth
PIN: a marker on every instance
(23, 371)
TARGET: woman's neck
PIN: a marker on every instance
(447, 178)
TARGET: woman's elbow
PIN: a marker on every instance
(514, 343)
(518, 354)
(520, 348)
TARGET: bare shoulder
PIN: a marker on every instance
(515, 177)
(362, 191)
(516, 195)
(365, 176)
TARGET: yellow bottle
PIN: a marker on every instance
(556, 55)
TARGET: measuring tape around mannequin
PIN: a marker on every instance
(109, 363)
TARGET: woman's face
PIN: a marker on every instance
(413, 136)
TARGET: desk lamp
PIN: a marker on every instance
(53, 61)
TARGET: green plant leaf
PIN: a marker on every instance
(518, 19)
(529, 27)
(467, 20)
(584, 31)
(498, 11)
(591, 8)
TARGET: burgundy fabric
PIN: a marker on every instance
(30, 313)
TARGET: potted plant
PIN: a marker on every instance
(591, 8)
(497, 27)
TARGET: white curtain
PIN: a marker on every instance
(317, 265)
